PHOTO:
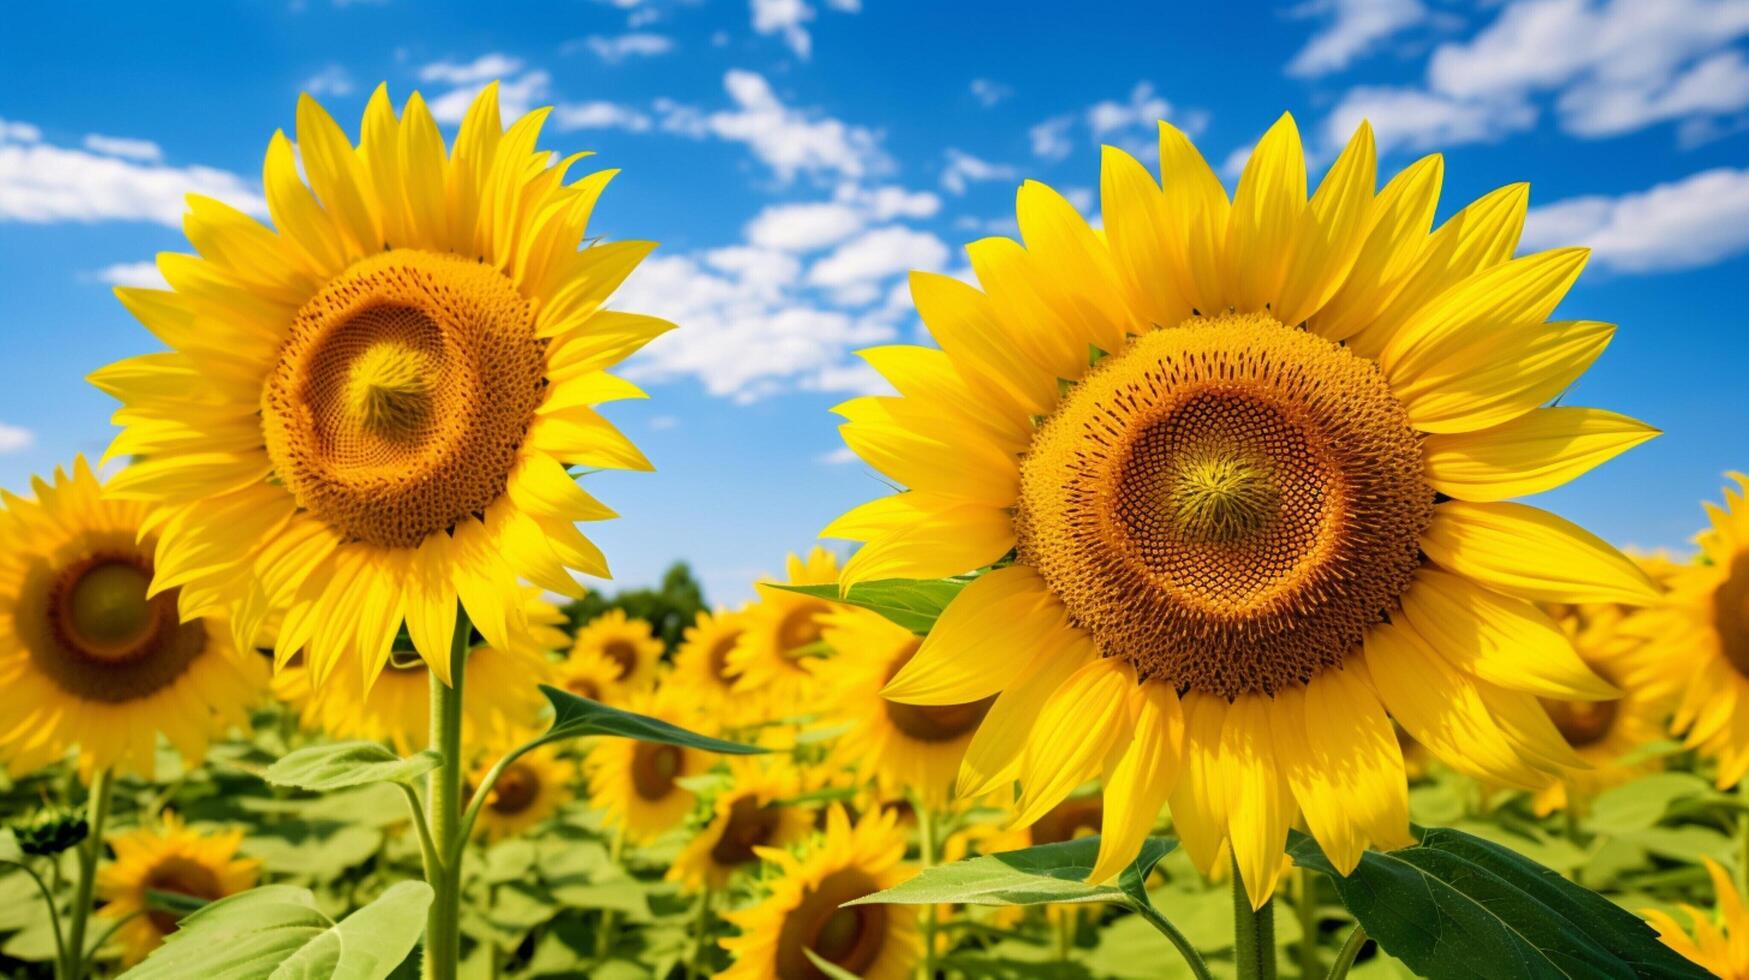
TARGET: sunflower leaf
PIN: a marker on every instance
(342, 764)
(1046, 874)
(575, 717)
(277, 932)
(912, 604)
(1455, 905)
(829, 968)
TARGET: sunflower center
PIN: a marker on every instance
(1582, 723)
(180, 876)
(750, 825)
(654, 768)
(517, 787)
(90, 627)
(624, 655)
(402, 396)
(800, 627)
(1731, 614)
(1070, 819)
(932, 722)
(851, 939)
(1228, 504)
(583, 687)
(719, 658)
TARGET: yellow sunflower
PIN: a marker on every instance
(528, 792)
(750, 814)
(1251, 457)
(368, 410)
(629, 644)
(174, 859)
(590, 674)
(1700, 635)
(1723, 947)
(701, 668)
(875, 942)
(638, 783)
(1604, 732)
(89, 659)
(781, 630)
(904, 748)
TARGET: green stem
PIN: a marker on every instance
(1306, 908)
(1743, 840)
(443, 805)
(1253, 933)
(90, 849)
(610, 922)
(1350, 949)
(927, 847)
(1198, 968)
(701, 929)
(54, 915)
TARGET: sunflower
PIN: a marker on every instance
(367, 411)
(174, 859)
(876, 942)
(781, 630)
(1251, 459)
(638, 783)
(629, 644)
(1722, 948)
(590, 674)
(1700, 635)
(904, 748)
(701, 667)
(528, 792)
(90, 659)
(752, 813)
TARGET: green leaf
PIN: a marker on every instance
(575, 717)
(832, 970)
(1454, 905)
(912, 604)
(276, 932)
(341, 764)
(1046, 874)
(1642, 803)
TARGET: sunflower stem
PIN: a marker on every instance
(1350, 949)
(926, 845)
(609, 922)
(1306, 908)
(54, 915)
(1743, 840)
(90, 849)
(1198, 966)
(701, 936)
(1253, 933)
(443, 804)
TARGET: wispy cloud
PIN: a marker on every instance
(144, 274)
(123, 146)
(332, 80)
(621, 47)
(14, 438)
(1352, 29)
(1131, 123)
(1682, 224)
(989, 93)
(963, 170)
(44, 183)
(789, 19)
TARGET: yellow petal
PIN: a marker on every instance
(1259, 801)
(1138, 228)
(1521, 292)
(1197, 205)
(993, 756)
(998, 619)
(297, 215)
(927, 376)
(1137, 786)
(1498, 373)
(1401, 215)
(962, 322)
(934, 542)
(1046, 317)
(1199, 800)
(431, 603)
(921, 456)
(1076, 727)
(379, 143)
(1531, 553)
(1537, 451)
(422, 176)
(338, 176)
(1072, 258)
(1332, 232)
(1266, 216)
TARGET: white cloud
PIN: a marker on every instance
(788, 140)
(143, 274)
(988, 92)
(1234, 164)
(805, 226)
(1132, 123)
(14, 439)
(516, 96)
(1354, 28)
(964, 169)
(662, 422)
(888, 202)
(1414, 119)
(1143, 108)
(600, 115)
(43, 183)
(788, 19)
(1050, 139)
(485, 68)
(842, 456)
(123, 146)
(637, 44)
(877, 255)
(1695, 221)
(332, 80)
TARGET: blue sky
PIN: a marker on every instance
(794, 157)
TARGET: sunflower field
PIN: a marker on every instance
(1199, 633)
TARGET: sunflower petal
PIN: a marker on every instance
(1531, 553)
(972, 646)
(1137, 786)
(1537, 451)
(1075, 729)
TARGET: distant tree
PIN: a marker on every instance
(669, 608)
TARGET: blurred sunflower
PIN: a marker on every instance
(637, 783)
(590, 674)
(1722, 947)
(629, 644)
(173, 859)
(904, 748)
(528, 792)
(701, 667)
(1700, 634)
(801, 912)
(368, 411)
(1251, 457)
(90, 659)
(781, 630)
(749, 814)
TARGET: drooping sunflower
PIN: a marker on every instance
(903, 748)
(528, 792)
(1719, 946)
(637, 783)
(1251, 458)
(876, 942)
(169, 858)
(751, 813)
(629, 644)
(367, 411)
(701, 668)
(1700, 634)
(783, 629)
(89, 658)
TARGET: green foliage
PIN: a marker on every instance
(1043, 875)
(49, 830)
(575, 717)
(912, 604)
(338, 765)
(669, 608)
